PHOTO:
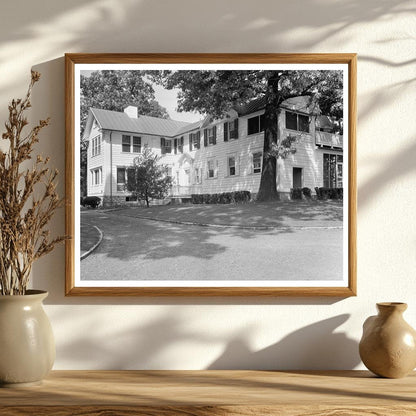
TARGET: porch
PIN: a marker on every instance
(332, 140)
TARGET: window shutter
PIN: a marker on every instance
(162, 145)
(190, 141)
(236, 128)
(216, 169)
(214, 133)
(198, 139)
(226, 131)
(205, 137)
(181, 144)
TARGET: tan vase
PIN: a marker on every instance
(388, 345)
(27, 346)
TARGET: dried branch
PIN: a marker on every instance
(24, 216)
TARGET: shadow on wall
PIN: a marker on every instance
(316, 346)
(303, 349)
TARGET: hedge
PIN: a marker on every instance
(90, 201)
(329, 193)
(222, 198)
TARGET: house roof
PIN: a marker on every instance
(116, 120)
(120, 121)
(303, 104)
(190, 127)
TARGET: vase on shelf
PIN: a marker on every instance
(27, 346)
(388, 345)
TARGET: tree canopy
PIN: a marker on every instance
(115, 90)
(215, 92)
(148, 179)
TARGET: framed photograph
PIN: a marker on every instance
(211, 174)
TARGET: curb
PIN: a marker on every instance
(242, 227)
(87, 253)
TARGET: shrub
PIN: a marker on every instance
(197, 198)
(91, 201)
(295, 193)
(329, 193)
(307, 192)
(222, 198)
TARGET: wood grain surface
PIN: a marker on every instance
(203, 393)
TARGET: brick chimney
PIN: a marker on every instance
(131, 111)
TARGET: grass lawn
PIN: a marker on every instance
(255, 214)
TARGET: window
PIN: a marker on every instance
(178, 145)
(169, 171)
(257, 160)
(128, 145)
(297, 122)
(210, 136)
(121, 179)
(131, 198)
(124, 176)
(333, 170)
(96, 145)
(194, 140)
(231, 130)
(212, 169)
(198, 175)
(165, 145)
(231, 166)
(125, 143)
(255, 124)
(96, 175)
(137, 144)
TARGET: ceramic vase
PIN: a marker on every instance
(27, 346)
(388, 345)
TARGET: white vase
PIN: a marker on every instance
(27, 346)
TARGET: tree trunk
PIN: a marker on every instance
(267, 188)
(147, 199)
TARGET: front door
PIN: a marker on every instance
(297, 177)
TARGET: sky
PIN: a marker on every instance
(167, 99)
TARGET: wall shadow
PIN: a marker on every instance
(318, 346)
(302, 349)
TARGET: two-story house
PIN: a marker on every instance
(213, 156)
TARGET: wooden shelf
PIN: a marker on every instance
(209, 393)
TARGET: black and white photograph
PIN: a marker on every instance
(211, 175)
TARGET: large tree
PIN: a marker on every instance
(148, 179)
(216, 92)
(115, 90)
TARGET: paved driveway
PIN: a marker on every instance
(139, 249)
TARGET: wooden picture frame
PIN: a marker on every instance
(338, 167)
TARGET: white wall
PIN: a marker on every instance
(195, 333)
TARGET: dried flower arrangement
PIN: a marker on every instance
(28, 200)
